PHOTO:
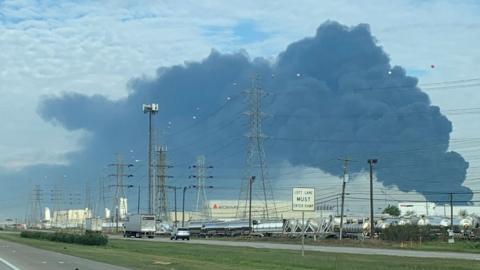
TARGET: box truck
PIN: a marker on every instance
(140, 225)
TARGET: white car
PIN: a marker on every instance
(180, 233)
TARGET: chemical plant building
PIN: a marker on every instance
(432, 209)
(325, 218)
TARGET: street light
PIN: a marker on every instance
(371, 162)
(183, 200)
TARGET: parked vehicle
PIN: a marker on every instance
(180, 233)
(93, 225)
(140, 225)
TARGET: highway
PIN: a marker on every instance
(329, 249)
(15, 256)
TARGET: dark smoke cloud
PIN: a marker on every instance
(332, 95)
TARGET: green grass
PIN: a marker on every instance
(437, 245)
(158, 255)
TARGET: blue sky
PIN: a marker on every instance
(96, 47)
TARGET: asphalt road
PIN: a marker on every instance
(329, 249)
(15, 256)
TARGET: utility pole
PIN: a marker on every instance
(151, 109)
(371, 162)
(451, 211)
(202, 206)
(175, 222)
(345, 180)
(250, 227)
(138, 200)
(183, 206)
(175, 206)
(336, 208)
(255, 161)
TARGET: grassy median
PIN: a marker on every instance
(158, 255)
(434, 245)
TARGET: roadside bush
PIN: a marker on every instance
(403, 233)
(91, 239)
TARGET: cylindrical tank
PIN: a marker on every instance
(408, 220)
(353, 228)
(386, 222)
(366, 225)
(292, 224)
(432, 221)
(313, 224)
(269, 227)
(468, 222)
(445, 222)
(107, 213)
(46, 214)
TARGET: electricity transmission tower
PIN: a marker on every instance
(160, 184)
(57, 197)
(255, 161)
(88, 197)
(202, 206)
(119, 200)
(35, 208)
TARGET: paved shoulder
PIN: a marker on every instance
(15, 256)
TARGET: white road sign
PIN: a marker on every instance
(303, 199)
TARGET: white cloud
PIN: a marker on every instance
(328, 189)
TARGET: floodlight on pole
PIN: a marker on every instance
(151, 109)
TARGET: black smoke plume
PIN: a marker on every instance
(332, 95)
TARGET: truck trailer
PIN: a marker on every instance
(139, 225)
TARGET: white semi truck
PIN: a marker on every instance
(139, 225)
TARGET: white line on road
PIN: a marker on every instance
(13, 267)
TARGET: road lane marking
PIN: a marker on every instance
(13, 267)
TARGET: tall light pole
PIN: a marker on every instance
(451, 211)
(183, 201)
(151, 109)
(252, 179)
(371, 162)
